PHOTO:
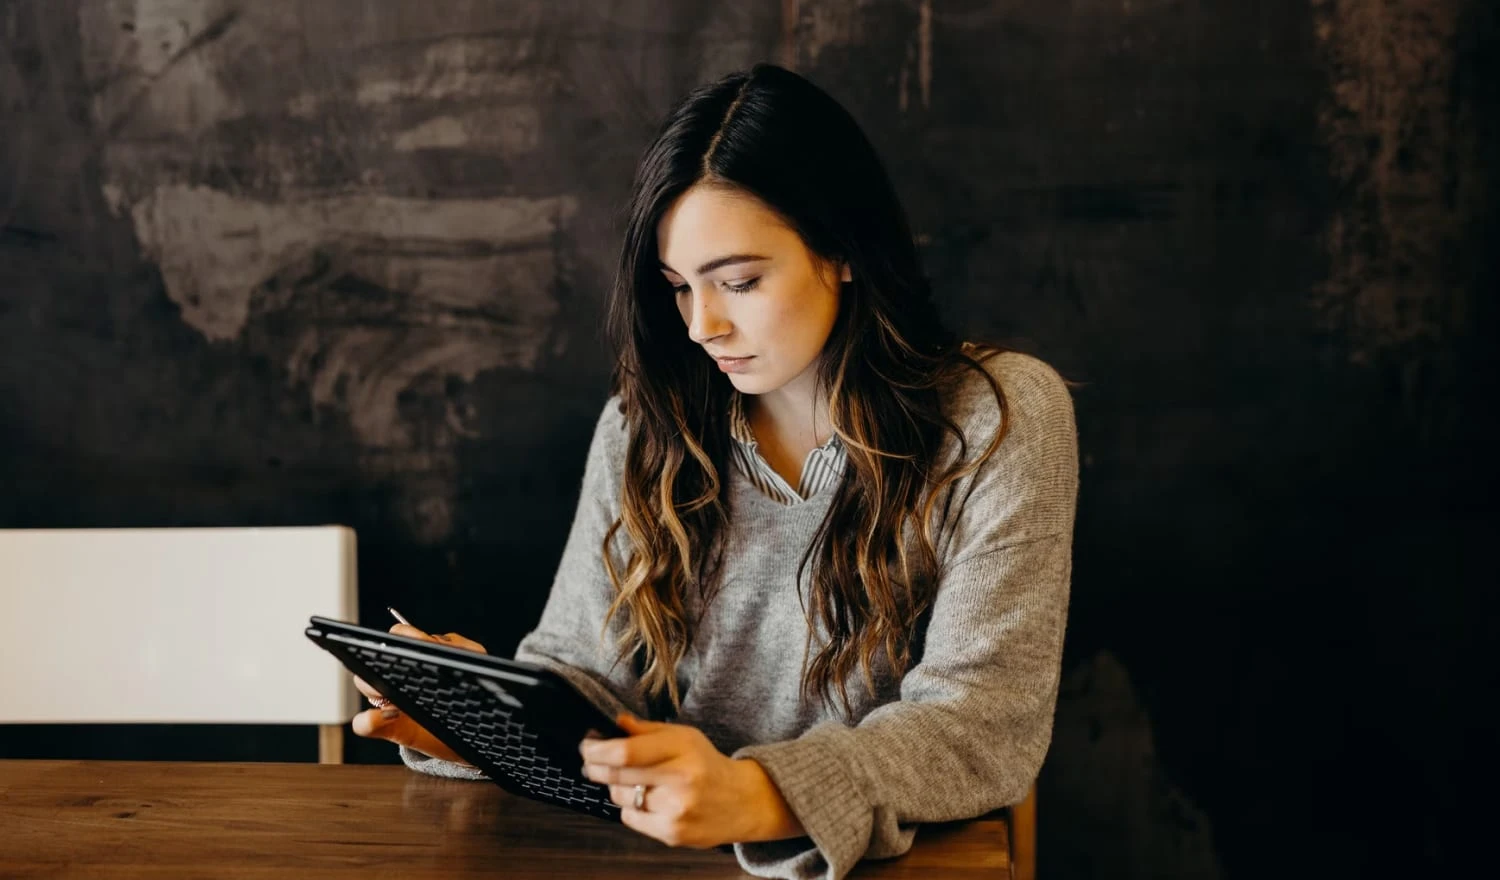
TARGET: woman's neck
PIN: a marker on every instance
(793, 419)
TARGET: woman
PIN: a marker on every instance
(823, 540)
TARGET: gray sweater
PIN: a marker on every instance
(963, 732)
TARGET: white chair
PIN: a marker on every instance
(175, 626)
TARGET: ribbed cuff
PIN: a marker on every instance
(824, 798)
(438, 767)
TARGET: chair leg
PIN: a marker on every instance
(1023, 838)
(330, 744)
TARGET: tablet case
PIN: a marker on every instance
(517, 722)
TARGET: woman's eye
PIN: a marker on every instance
(681, 290)
(743, 287)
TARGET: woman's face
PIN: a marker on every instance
(749, 290)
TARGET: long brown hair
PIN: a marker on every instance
(873, 563)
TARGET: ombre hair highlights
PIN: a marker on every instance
(872, 569)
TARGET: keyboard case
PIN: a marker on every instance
(517, 722)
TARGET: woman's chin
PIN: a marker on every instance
(746, 383)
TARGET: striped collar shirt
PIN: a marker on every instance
(822, 469)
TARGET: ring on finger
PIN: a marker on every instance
(640, 798)
(379, 702)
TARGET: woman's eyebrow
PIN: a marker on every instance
(719, 263)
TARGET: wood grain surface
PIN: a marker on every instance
(175, 820)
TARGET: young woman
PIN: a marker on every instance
(823, 542)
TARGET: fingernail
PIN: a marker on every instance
(389, 712)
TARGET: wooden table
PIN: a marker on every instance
(106, 820)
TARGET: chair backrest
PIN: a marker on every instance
(173, 625)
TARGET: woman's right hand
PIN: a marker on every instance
(390, 723)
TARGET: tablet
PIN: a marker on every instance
(517, 722)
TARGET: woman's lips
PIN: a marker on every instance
(733, 364)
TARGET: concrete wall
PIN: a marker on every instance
(285, 262)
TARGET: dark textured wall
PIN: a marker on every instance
(284, 262)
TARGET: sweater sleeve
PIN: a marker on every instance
(571, 638)
(567, 639)
(974, 717)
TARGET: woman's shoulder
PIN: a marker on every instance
(1028, 488)
(1038, 404)
(607, 449)
(612, 417)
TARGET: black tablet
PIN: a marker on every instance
(517, 722)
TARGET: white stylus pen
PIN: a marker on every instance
(396, 614)
(381, 703)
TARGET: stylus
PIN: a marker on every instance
(396, 614)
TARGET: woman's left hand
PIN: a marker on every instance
(695, 796)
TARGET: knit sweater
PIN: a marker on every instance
(963, 732)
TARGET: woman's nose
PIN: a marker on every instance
(705, 321)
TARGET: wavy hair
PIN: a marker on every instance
(872, 568)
